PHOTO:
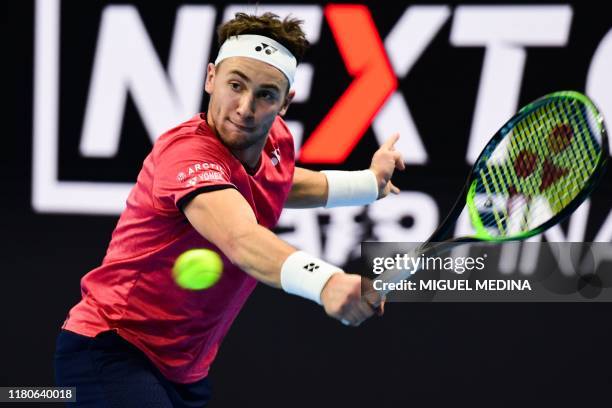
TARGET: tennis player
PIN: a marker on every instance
(219, 180)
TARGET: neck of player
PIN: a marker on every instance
(250, 156)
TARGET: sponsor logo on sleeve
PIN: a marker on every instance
(200, 172)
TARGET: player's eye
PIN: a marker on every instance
(267, 95)
(235, 86)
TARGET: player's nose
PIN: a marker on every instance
(246, 105)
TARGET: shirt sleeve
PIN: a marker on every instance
(187, 166)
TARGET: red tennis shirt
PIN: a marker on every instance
(133, 291)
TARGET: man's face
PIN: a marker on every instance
(245, 97)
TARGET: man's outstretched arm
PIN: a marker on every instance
(338, 188)
(309, 189)
(225, 218)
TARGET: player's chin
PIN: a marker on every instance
(238, 139)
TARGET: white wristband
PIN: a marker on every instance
(305, 275)
(350, 187)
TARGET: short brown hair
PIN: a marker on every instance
(288, 32)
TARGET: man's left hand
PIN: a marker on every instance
(384, 162)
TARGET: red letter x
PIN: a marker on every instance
(365, 59)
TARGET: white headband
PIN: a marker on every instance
(260, 48)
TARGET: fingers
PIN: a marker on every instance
(399, 161)
(375, 301)
(365, 310)
(393, 189)
(381, 309)
(351, 320)
(371, 303)
(359, 313)
(377, 309)
(379, 306)
(343, 300)
(390, 142)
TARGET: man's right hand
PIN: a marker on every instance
(341, 298)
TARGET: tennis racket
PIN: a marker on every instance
(532, 174)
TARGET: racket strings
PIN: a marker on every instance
(550, 156)
(577, 159)
(553, 172)
(562, 152)
(559, 139)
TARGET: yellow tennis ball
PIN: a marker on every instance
(197, 269)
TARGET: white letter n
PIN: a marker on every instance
(126, 60)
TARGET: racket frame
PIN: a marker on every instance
(465, 198)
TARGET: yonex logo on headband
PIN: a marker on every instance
(268, 49)
(261, 48)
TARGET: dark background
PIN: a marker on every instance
(282, 350)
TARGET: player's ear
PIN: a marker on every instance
(210, 78)
(287, 102)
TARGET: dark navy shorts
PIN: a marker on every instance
(108, 371)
